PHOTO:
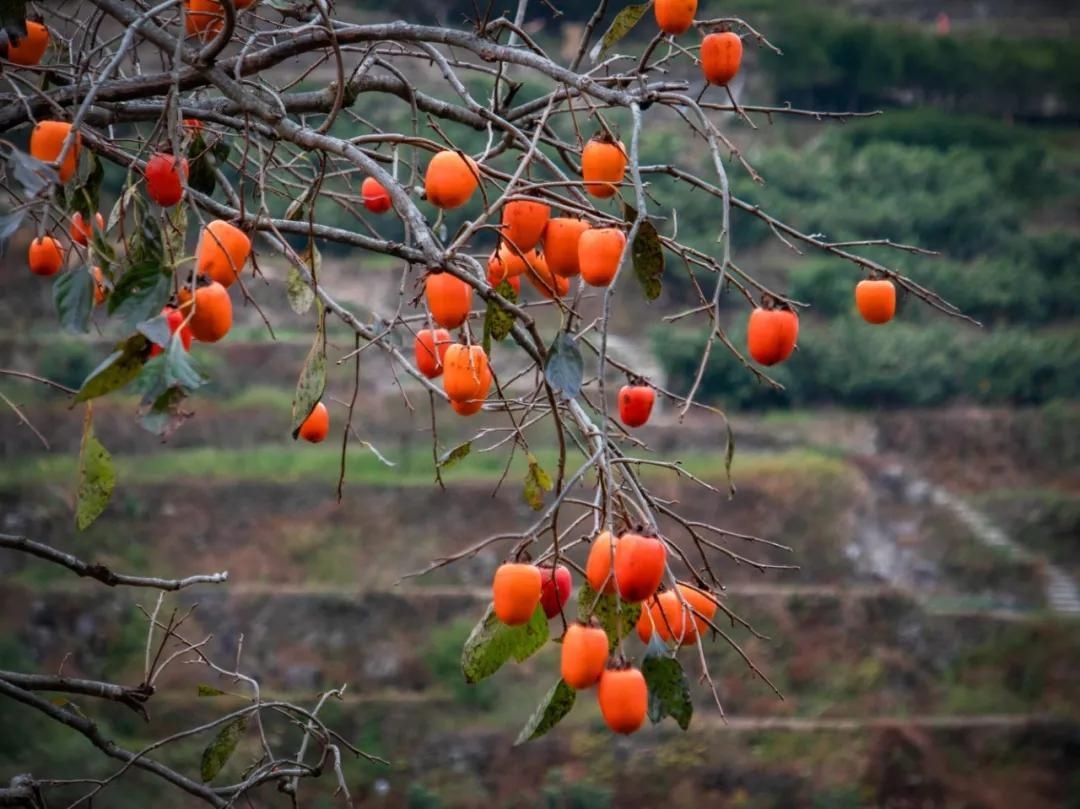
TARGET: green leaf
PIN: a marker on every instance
(140, 292)
(729, 456)
(156, 330)
(300, 294)
(73, 296)
(537, 481)
(617, 617)
(202, 177)
(210, 691)
(669, 690)
(97, 478)
(491, 643)
(552, 708)
(13, 17)
(623, 23)
(116, 370)
(497, 321)
(458, 453)
(648, 257)
(565, 367)
(86, 198)
(179, 372)
(217, 754)
(312, 382)
(163, 415)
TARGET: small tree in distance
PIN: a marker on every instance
(199, 104)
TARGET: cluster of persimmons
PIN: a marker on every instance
(630, 568)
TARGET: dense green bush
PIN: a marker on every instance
(849, 363)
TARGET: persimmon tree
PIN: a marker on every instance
(198, 104)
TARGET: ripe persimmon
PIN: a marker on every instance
(497, 273)
(671, 617)
(164, 183)
(81, 231)
(598, 564)
(516, 592)
(556, 590)
(470, 408)
(584, 655)
(466, 373)
(599, 252)
(506, 262)
(204, 18)
(45, 256)
(624, 699)
(46, 141)
(316, 426)
(523, 222)
(101, 290)
(721, 55)
(639, 566)
(449, 299)
(211, 314)
(375, 197)
(771, 334)
(175, 319)
(28, 51)
(544, 280)
(561, 239)
(675, 16)
(876, 300)
(603, 164)
(450, 180)
(635, 404)
(429, 350)
(222, 251)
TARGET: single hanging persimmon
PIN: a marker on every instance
(316, 426)
(624, 699)
(210, 310)
(175, 321)
(635, 404)
(603, 164)
(46, 141)
(466, 373)
(45, 256)
(639, 566)
(523, 222)
(81, 231)
(506, 262)
(376, 199)
(516, 592)
(674, 16)
(204, 18)
(876, 300)
(29, 50)
(561, 239)
(599, 252)
(497, 273)
(222, 251)
(544, 280)
(771, 334)
(681, 621)
(556, 590)
(430, 349)
(450, 180)
(449, 299)
(165, 178)
(721, 56)
(598, 563)
(101, 289)
(584, 656)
